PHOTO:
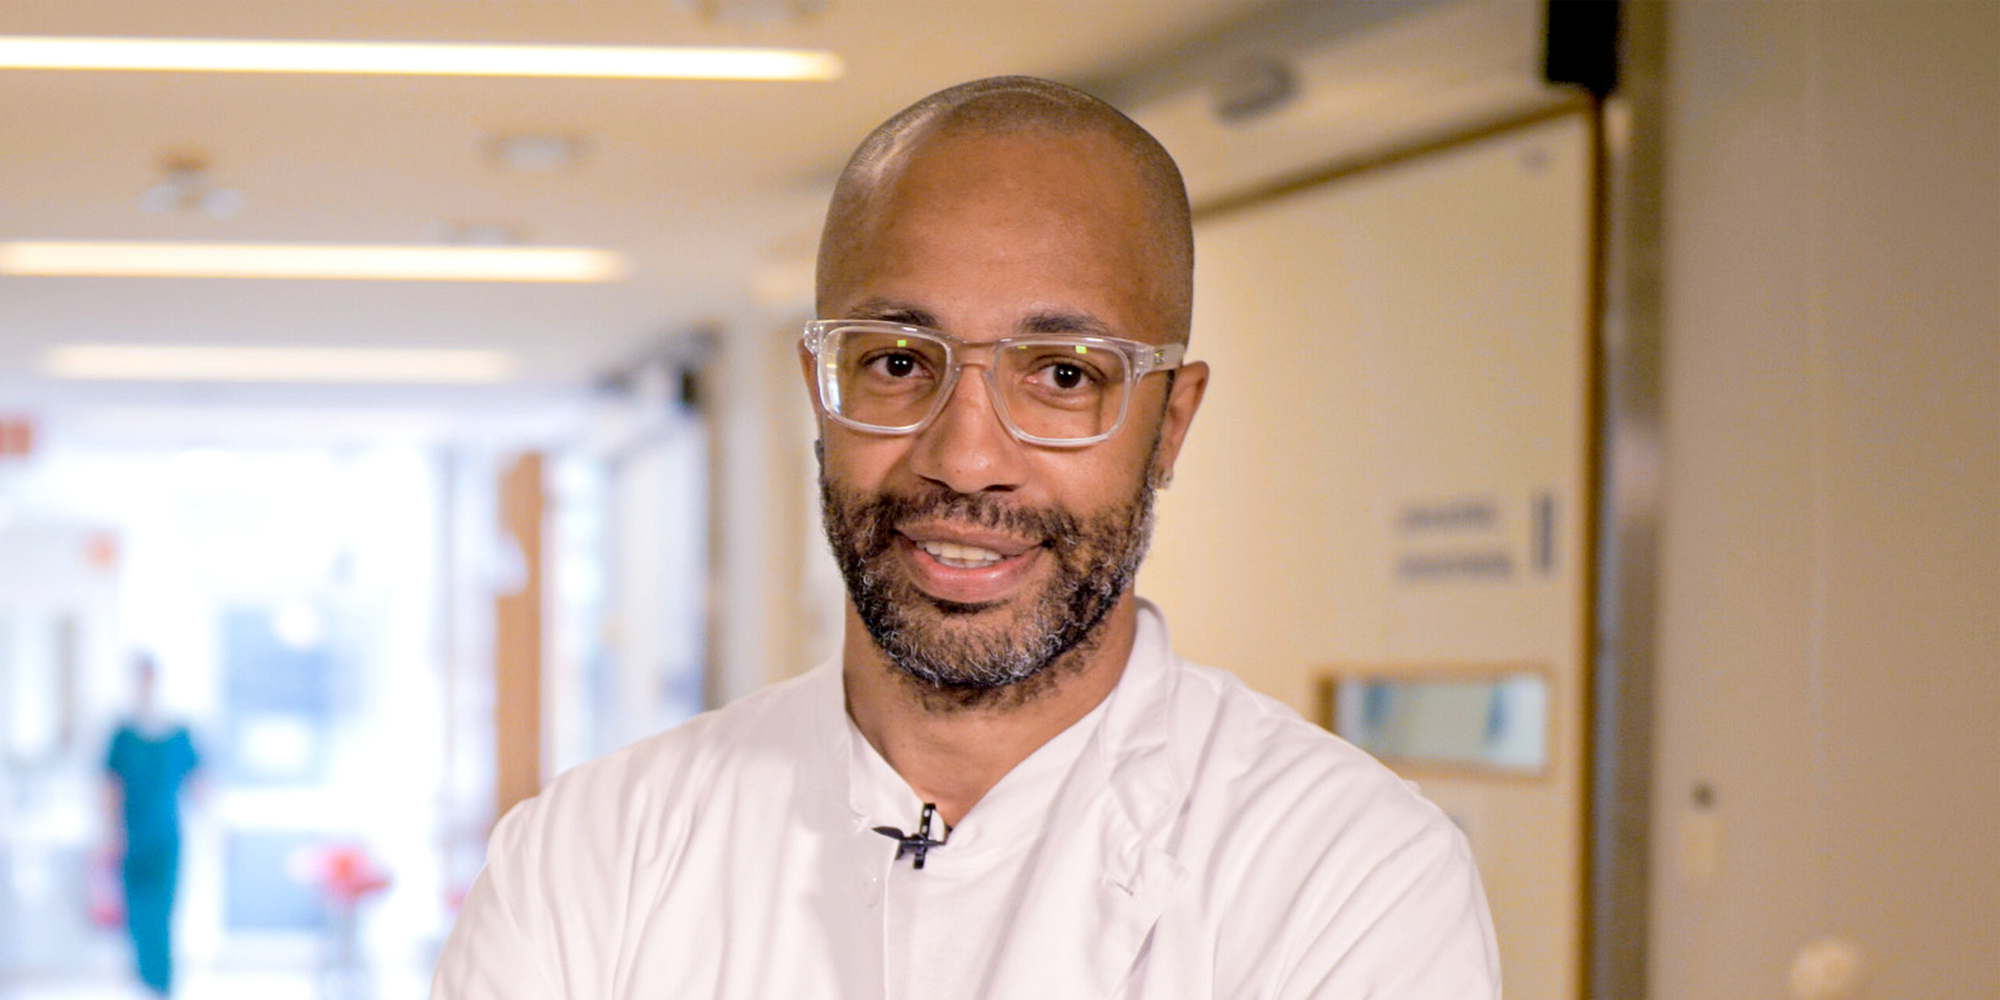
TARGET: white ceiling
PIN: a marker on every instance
(709, 187)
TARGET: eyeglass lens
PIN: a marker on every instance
(1056, 389)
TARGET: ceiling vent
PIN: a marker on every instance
(535, 154)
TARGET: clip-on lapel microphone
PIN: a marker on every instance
(919, 843)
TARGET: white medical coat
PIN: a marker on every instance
(1207, 842)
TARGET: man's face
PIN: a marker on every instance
(974, 560)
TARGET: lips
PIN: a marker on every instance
(966, 566)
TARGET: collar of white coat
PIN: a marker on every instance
(1133, 763)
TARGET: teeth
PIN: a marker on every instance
(961, 556)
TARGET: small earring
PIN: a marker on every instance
(1159, 480)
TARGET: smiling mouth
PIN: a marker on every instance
(959, 556)
(967, 575)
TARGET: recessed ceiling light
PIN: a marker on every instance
(309, 261)
(164, 363)
(757, 12)
(214, 55)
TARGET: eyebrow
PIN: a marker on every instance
(1065, 321)
(892, 311)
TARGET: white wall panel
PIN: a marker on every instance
(1829, 661)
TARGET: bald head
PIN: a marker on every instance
(1023, 107)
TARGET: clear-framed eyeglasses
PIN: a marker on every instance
(1059, 390)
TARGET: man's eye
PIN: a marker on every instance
(895, 365)
(1066, 376)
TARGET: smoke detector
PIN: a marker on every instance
(1251, 86)
(185, 187)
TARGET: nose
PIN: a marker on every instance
(966, 448)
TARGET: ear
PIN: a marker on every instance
(1190, 383)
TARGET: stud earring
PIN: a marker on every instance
(1159, 480)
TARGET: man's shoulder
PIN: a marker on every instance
(654, 776)
(1311, 864)
(1249, 755)
(1227, 739)
(1259, 731)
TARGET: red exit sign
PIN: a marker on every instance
(17, 437)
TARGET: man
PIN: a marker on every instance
(1006, 785)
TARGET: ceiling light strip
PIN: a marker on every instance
(206, 55)
(164, 363)
(104, 259)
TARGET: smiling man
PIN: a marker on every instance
(1006, 785)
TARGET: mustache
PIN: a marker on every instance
(880, 517)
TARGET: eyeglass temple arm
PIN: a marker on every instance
(1164, 357)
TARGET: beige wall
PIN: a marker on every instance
(1829, 625)
(1407, 335)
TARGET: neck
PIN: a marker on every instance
(952, 754)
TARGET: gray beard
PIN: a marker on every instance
(954, 662)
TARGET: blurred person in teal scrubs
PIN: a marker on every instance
(150, 762)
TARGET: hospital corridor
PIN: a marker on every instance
(401, 405)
